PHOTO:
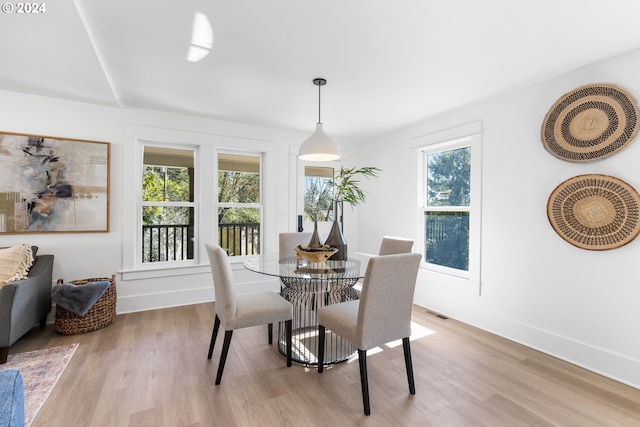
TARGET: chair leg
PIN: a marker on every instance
(43, 322)
(4, 355)
(321, 337)
(288, 325)
(270, 328)
(223, 356)
(364, 382)
(407, 361)
(216, 326)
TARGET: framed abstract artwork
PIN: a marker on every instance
(53, 185)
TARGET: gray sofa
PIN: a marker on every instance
(24, 303)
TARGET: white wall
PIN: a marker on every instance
(581, 306)
(84, 255)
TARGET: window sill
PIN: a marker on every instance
(164, 271)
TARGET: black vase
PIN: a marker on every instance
(336, 238)
(315, 239)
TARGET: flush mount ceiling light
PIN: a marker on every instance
(201, 38)
(319, 147)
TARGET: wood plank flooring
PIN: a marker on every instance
(151, 369)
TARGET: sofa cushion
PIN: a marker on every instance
(15, 263)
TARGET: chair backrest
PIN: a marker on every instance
(222, 282)
(288, 241)
(384, 312)
(395, 245)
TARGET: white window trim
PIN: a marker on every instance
(467, 135)
(139, 265)
(260, 206)
(335, 165)
(207, 144)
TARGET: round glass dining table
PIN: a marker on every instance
(309, 286)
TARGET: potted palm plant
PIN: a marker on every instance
(346, 189)
(346, 184)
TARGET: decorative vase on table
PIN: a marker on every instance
(335, 239)
(314, 243)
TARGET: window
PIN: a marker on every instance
(175, 194)
(451, 207)
(446, 214)
(239, 203)
(318, 193)
(167, 205)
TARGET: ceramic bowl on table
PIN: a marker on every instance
(316, 255)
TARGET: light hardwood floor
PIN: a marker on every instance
(151, 369)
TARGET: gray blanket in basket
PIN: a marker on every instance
(78, 299)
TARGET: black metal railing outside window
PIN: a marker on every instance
(167, 242)
(240, 238)
(174, 242)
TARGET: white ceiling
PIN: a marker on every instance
(387, 63)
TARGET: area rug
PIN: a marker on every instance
(41, 370)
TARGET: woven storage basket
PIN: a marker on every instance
(101, 314)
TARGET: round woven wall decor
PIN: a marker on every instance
(590, 123)
(595, 212)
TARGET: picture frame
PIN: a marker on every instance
(53, 185)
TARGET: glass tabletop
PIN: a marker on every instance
(292, 267)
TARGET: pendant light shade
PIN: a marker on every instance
(319, 147)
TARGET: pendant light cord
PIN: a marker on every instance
(319, 82)
(319, 86)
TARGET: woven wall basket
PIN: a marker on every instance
(595, 212)
(590, 123)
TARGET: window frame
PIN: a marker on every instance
(141, 204)
(207, 142)
(300, 177)
(451, 139)
(259, 206)
(329, 217)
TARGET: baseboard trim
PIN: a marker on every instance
(617, 367)
(177, 298)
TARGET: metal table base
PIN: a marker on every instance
(307, 295)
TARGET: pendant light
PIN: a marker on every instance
(319, 147)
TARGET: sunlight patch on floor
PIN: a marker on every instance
(417, 332)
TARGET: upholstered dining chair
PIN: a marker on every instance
(289, 241)
(381, 315)
(241, 311)
(395, 245)
(389, 246)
